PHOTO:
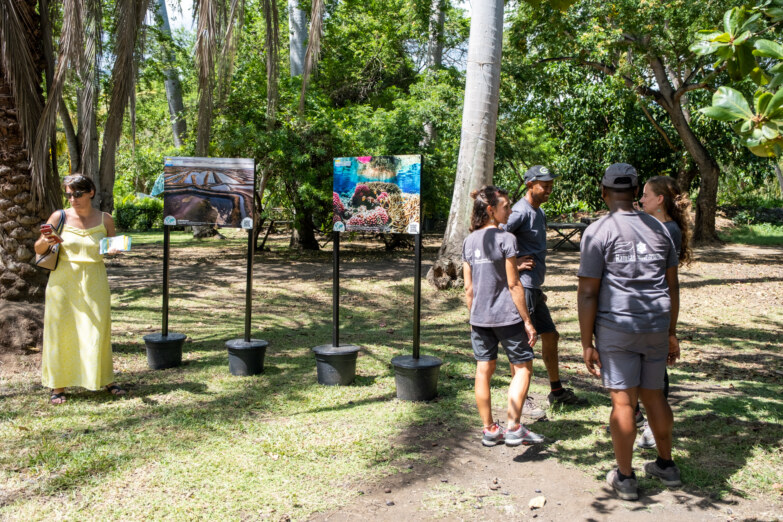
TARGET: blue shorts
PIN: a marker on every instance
(539, 311)
(485, 341)
(630, 360)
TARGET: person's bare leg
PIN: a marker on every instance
(484, 371)
(623, 427)
(660, 419)
(517, 392)
(549, 353)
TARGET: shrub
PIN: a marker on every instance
(140, 214)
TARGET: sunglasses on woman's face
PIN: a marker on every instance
(76, 194)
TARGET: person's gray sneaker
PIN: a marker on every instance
(493, 435)
(568, 398)
(646, 439)
(627, 489)
(522, 435)
(669, 476)
(529, 409)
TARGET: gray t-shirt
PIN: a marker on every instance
(630, 252)
(676, 234)
(528, 225)
(486, 251)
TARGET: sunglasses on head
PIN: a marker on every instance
(76, 194)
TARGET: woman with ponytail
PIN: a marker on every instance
(663, 199)
(498, 314)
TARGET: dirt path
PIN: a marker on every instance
(463, 480)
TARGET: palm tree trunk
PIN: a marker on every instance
(173, 85)
(477, 144)
(19, 214)
(297, 37)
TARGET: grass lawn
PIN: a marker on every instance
(196, 442)
(756, 234)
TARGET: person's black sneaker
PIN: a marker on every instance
(567, 398)
(669, 476)
(627, 489)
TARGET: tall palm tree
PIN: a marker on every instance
(27, 195)
(477, 144)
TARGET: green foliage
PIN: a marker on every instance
(142, 214)
(755, 234)
(747, 55)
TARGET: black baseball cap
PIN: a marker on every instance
(539, 173)
(621, 176)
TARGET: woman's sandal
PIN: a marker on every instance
(115, 390)
(57, 398)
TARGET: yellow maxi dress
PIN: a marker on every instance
(77, 316)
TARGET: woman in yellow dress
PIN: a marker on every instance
(77, 314)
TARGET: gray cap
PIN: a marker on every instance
(621, 176)
(539, 173)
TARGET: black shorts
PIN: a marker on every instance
(539, 311)
(485, 341)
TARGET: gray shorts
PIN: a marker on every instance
(513, 337)
(539, 311)
(630, 360)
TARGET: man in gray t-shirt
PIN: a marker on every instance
(528, 223)
(628, 299)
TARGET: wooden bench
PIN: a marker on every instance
(567, 231)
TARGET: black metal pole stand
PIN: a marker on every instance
(336, 364)
(164, 350)
(416, 376)
(166, 248)
(417, 296)
(246, 355)
(336, 290)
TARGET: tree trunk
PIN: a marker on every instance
(19, 216)
(303, 232)
(123, 82)
(173, 86)
(434, 57)
(779, 174)
(477, 143)
(707, 201)
(74, 147)
(297, 37)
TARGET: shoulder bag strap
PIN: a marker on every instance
(62, 222)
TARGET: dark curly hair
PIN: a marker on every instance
(678, 206)
(486, 196)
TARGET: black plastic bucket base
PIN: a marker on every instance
(416, 379)
(246, 357)
(336, 365)
(164, 351)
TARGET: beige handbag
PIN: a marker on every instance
(48, 260)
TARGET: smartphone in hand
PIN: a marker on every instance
(48, 231)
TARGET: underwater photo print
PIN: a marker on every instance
(377, 194)
(208, 191)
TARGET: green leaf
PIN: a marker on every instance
(704, 48)
(742, 38)
(708, 34)
(733, 102)
(719, 113)
(750, 23)
(761, 101)
(745, 59)
(731, 20)
(769, 49)
(759, 77)
(723, 38)
(769, 132)
(775, 14)
(775, 103)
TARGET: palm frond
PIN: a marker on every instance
(205, 51)
(272, 44)
(130, 15)
(21, 71)
(313, 48)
